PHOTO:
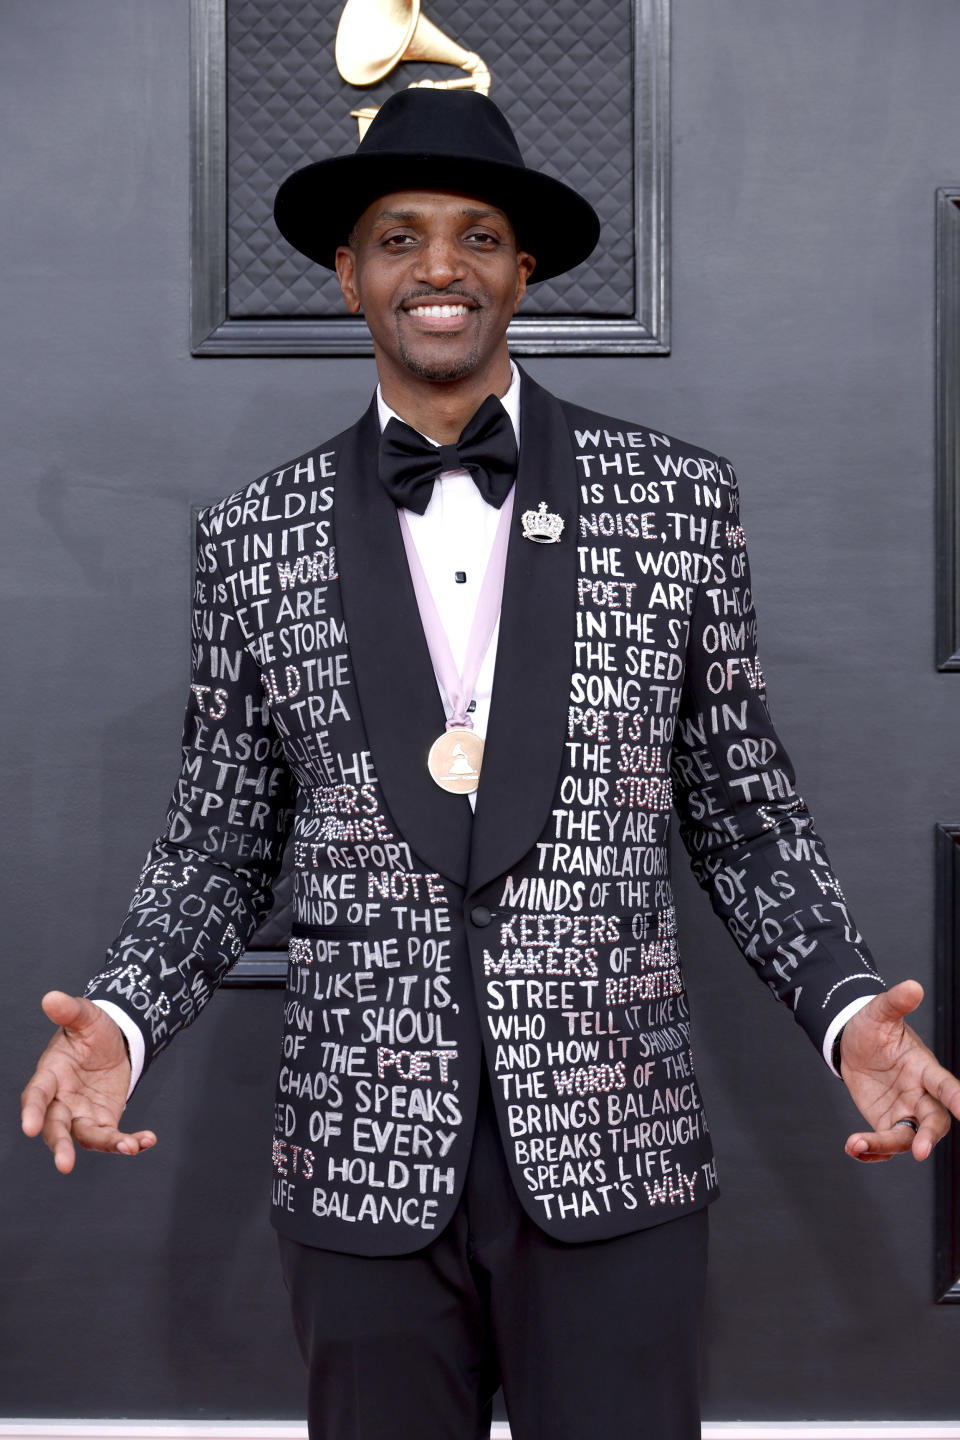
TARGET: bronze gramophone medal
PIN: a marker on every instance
(455, 757)
(454, 760)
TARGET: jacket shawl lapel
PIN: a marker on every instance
(531, 689)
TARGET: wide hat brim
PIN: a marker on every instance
(317, 207)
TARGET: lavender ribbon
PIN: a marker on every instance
(460, 687)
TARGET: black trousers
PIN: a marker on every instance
(590, 1342)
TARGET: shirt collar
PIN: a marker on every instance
(510, 402)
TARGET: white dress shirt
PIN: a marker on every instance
(454, 536)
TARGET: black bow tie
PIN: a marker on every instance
(487, 447)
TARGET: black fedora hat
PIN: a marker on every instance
(432, 139)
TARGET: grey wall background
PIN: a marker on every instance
(809, 137)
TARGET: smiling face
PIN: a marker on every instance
(438, 277)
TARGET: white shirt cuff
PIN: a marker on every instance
(837, 1024)
(133, 1036)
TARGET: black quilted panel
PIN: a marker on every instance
(274, 933)
(562, 73)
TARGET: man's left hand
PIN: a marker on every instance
(893, 1076)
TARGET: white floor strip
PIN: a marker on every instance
(296, 1430)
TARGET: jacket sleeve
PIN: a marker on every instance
(751, 839)
(207, 880)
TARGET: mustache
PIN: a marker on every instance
(444, 295)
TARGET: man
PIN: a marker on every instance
(490, 1159)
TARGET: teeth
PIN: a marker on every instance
(443, 311)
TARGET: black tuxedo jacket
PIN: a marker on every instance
(539, 932)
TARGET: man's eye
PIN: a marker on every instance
(398, 242)
(483, 235)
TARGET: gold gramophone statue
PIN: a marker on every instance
(376, 35)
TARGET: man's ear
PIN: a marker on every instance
(346, 264)
(525, 268)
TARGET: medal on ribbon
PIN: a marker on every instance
(454, 760)
(456, 757)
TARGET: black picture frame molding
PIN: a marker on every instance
(947, 1154)
(214, 333)
(948, 429)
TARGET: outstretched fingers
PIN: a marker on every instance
(57, 1136)
(63, 1132)
(91, 1134)
(870, 1146)
(920, 1125)
(36, 1100)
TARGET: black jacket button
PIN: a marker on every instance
(480, 916)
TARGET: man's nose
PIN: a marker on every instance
(440, 262)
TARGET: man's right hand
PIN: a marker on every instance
(77, 1093)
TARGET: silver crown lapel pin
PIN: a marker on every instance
(541, 525)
